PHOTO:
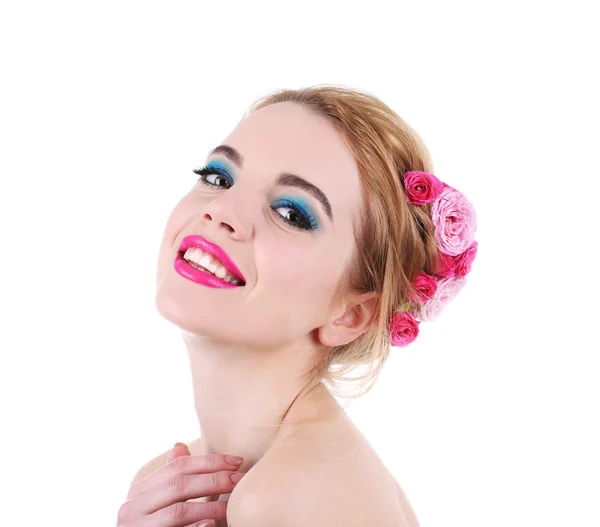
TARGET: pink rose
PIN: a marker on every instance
(454, 220)
(421, 187)
(451, 266)
(464, 260)
(403, 328)
(425, 286)
(447, 289)
(447, 266)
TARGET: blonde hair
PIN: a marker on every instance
(394, 239)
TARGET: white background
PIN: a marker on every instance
(490, 418)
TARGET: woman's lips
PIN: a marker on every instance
(195, 240)
(200, 277)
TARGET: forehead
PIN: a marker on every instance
(287, 137)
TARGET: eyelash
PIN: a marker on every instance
(307, 223)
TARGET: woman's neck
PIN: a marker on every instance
(246, 401)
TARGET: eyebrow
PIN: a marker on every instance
(284, 178)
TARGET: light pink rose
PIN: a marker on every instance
(425, 286)
(454, 220)
(421, 187)
(464, 260)
(447, 289)
(403, 328)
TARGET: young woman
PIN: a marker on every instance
(315, 239)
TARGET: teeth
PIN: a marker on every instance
(199, 257)
(205, 260)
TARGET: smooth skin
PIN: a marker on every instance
(159, 499)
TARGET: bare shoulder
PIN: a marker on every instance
(338, 477)
(410, 517)
(195, 447)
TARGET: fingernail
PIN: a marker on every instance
(237, 477)
(234, 460)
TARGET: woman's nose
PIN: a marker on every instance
(226, 214)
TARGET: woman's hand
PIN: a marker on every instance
(159, 500)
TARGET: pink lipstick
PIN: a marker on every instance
(201, 277)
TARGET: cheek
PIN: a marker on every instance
(306, 273)
(178, 220)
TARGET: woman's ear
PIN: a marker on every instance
(358, 315)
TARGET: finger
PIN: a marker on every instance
(186, 513)
(205, 464)
(182, 465)
(184, 487)
(180, 449)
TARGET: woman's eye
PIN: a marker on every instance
(295, 217)
(292, 216)
(218, 180)
(212, 177)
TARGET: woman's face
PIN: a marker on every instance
(280, 236)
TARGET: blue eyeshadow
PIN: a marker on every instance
(304, 207)
(221, 168)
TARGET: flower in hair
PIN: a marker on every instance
(403, 328)
(421, 187)
(446, 266)
(447, 289)
(465, 260)
(451, 266)
(454, 220)
(425, 286)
